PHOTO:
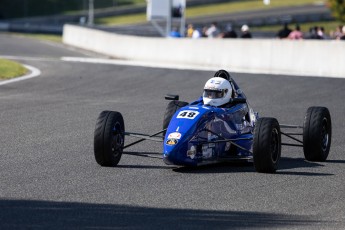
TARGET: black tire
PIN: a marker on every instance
(109, 138)
(171, 109)
(267, 145)
(317, 134)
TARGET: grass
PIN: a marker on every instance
(214, 9)
(44, 37)
(122, 20)
(10, 69)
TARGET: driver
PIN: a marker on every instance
(217, 92)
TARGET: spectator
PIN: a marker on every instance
(284, 33)
(213, 31)
(196, 34)
(296, 34)
(175, 33)
(321, 33)
(314, 33)
(190, 30)
(338, 33)
(229, 33)
(203, 33)
(343, 37)
(245, 32)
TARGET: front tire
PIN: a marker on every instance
(109, 138)
(267, 145)
(317, 134)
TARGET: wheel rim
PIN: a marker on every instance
(275, 145)
(324, 135)
(117, 139)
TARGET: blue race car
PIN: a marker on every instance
(220, 126)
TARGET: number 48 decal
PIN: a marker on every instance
(187, 114)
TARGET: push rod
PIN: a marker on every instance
(293, 138)
(143, 139)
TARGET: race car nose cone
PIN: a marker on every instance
(176, 158)
(166, 160)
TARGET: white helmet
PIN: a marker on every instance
(245, 28)
(217, 91)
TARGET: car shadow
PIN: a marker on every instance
(285, 165)
(38, 214)
(226, 167)
(145, 167)
(335, 161)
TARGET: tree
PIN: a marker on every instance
(30, 8)
(338, 9)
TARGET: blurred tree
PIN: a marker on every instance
(338, 9)
(29, 8)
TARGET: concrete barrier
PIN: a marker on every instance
(307, 57)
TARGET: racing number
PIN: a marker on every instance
(188, 114)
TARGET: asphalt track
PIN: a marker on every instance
(49, 178)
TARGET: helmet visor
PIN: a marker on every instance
(214, 94)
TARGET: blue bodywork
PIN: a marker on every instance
(200, 134)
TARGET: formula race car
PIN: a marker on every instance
(220, 126)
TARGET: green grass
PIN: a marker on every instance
(44, 37)
(214, 9)
(10, 69)
(122, 20)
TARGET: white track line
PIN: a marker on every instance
(34, 72)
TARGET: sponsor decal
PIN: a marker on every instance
(192, 152)
(175, 135)
(171, 141)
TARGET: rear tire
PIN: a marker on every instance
(317, 134)
(109, 138)
(171, 109)
(267, 145)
